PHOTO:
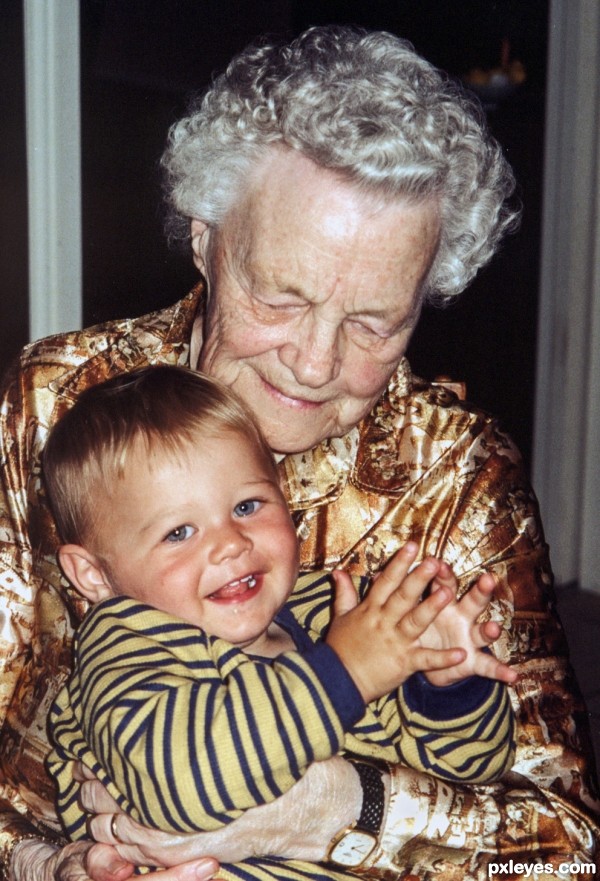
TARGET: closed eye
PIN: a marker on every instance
(247, 507)
(180, 533)
(283, 310)
(281, 299)
(368, 330)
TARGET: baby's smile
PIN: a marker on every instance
(239, 590)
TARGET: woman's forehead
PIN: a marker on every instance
(327, 239)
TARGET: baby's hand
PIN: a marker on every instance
(380, 641)
(457, 624)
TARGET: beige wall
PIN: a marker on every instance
(51, 31)
(567, 419)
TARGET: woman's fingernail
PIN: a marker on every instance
(205, 869)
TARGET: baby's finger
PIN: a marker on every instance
(345, 598)
(394, 573)
(489, 632)
(489, 666)
(445, 578)
(414, 622)
(427, 660)
(479, 595)
(409, 593)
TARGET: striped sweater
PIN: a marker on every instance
(187, 731)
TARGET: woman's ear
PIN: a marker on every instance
(85, 572)
(199, 236)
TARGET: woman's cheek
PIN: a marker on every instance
(368, 378)
(250, 339)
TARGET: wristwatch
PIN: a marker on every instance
(351, 847)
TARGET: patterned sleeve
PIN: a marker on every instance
(547, 803)
(18, 590)
(186, 730)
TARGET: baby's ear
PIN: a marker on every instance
(85, 572)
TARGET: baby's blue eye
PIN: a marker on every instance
(181, 533)
(247, 507)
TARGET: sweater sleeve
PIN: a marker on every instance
(462, 732)
(186, 730)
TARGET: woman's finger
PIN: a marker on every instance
(100, 855)
(115, 828)
(77, 861)
(103, 863)
(81, 772)
(94, 799)
(132, 842)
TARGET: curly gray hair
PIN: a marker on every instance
(364, 105)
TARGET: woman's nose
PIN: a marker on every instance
(227, 542)
(312, 353)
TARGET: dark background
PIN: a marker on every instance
(141, 60)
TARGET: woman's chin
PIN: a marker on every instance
(287, 445)
(295, 430)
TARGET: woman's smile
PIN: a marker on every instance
(297, 403)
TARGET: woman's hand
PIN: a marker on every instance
(34, 860)
(323, 802)
(84, 861)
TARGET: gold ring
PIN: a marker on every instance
(113, 829)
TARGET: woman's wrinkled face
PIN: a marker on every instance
(314, 291)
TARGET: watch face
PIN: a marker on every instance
(352, 848)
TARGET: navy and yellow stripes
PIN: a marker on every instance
(464, 732)
(187, 731)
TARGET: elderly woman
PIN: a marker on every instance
(329, 188)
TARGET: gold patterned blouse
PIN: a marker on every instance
(421, 466)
